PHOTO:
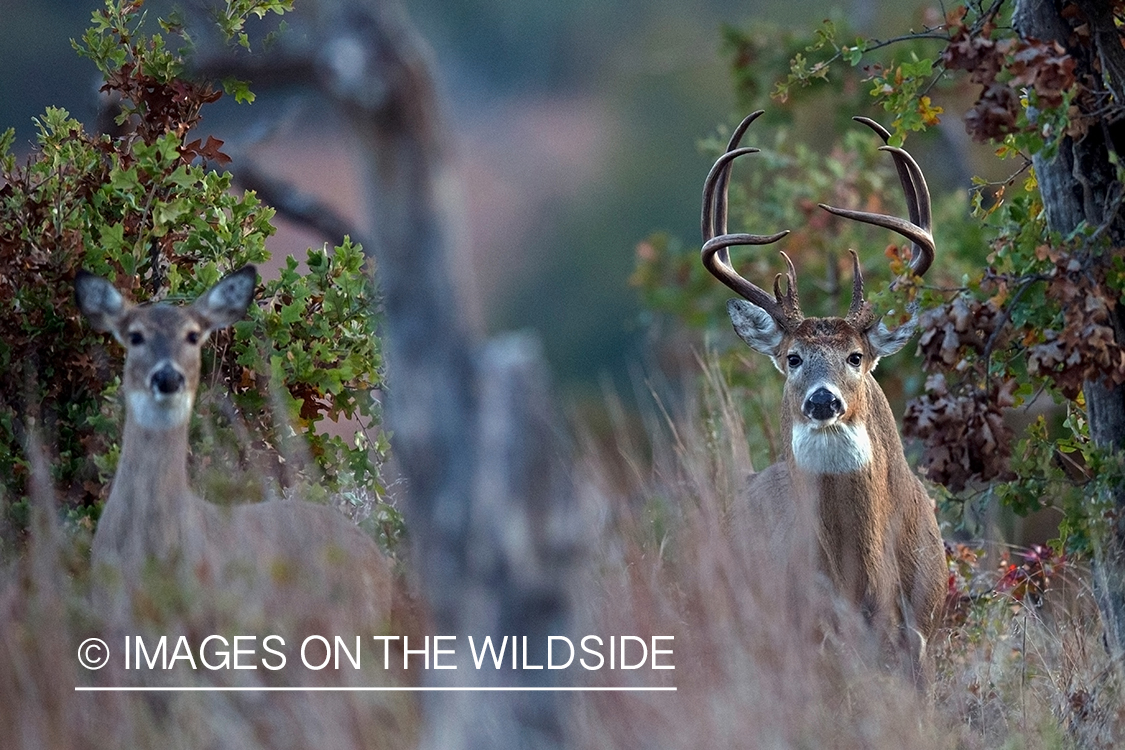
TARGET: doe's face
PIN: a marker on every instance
(162, 343)
(162, 363)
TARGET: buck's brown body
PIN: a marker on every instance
(843, 482)
(879, 543)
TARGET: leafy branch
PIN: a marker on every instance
(151, 207)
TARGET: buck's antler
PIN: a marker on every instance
(917, 229)
(843, 462)
(784, 308)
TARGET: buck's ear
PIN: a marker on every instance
(886, 341)
(99, 301)
(227, 302)
(756, 327)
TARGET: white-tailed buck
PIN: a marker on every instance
(842, 466)
(152, 515)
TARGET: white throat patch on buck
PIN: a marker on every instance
(839, 448)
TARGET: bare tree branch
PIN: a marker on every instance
(290, 202)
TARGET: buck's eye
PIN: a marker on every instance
(794, 361)
(192, 337)
(855, 359)
(136, 338)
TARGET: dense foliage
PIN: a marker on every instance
(149, 207)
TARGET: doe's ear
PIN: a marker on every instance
(886, 341)
(756, 327)
(225, 303)
(99, 301)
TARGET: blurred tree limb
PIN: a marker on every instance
(491, 507)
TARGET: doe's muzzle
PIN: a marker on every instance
(166, 380)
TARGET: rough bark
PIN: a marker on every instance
(1080, 185)
(490, 505)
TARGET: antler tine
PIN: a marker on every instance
(717, 241)
(720, 189)
(714, 219)
(917, 194)
(918, 200)
(860, 313)
(914, 207)
(716, 261)
(788, 301)
(715, 187)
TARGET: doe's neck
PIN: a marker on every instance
(153, 463)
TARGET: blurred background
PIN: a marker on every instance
(576, 132)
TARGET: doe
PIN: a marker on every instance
(842, 459)
(152, 515)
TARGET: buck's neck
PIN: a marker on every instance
(852, 510)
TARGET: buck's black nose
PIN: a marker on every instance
(823, 404)
(167, 380)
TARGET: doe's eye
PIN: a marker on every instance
(794, 361)
(136, 338)
(855, 359)
(192, 337)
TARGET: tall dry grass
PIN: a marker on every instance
(755, 666)
(49, 605)
(45, 613)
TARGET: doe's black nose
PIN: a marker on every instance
(167, 380)
(823, 404)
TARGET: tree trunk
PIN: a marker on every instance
(490, 506)
(1079, 185)
(473, 428)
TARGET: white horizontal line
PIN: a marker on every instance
(227, 689)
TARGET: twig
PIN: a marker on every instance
(928, 33)
(1006, 315)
